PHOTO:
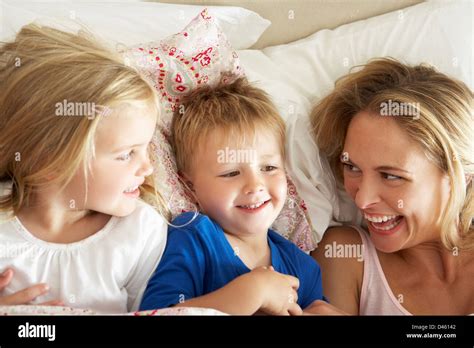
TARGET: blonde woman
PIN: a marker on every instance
(401, 139)
(75, 127)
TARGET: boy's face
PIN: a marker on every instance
(242, 188)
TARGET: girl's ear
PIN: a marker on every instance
(187, 180)
(468, 179)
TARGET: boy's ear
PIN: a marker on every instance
(187, 180)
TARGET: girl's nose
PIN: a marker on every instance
(146, 168)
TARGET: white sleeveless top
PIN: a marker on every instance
(376, 297)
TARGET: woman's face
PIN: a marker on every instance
(400, 193)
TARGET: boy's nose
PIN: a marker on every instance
(253, 184)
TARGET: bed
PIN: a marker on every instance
(294, 50)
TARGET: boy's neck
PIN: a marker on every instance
(253, 250)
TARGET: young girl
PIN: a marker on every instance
(229, 146)
(75, 127)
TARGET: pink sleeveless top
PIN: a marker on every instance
(376, 297)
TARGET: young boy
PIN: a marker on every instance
(230, 146)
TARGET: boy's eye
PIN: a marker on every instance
(269, 168)
(229, 175)
(126, 156)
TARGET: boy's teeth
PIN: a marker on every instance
(252, 206)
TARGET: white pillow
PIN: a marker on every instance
(300, 73)
(133, 22)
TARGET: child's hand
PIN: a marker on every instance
(320, 307)
(24, 296)
(278, 292)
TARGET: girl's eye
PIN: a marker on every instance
(126, 156)
(391, 177)
(229, 175)
(350, 167)
(269, 168)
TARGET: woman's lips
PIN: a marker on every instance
(386, 228)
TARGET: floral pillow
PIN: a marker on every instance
(199, 55)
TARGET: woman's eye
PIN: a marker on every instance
(126, 156)
(391, 177)
(350, 167)
(229, 175)
(269, 168)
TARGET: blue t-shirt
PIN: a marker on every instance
(198, 259)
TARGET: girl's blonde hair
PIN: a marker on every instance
(443, 127)
(40, 70)
(239, 109)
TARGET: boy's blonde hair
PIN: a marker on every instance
(238, 109)
(443, 128)
(39, 69)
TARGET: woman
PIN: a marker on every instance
(401, 139)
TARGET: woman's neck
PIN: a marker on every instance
(433, 258)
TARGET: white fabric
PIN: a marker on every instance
(130, 23)
(106, 272)
(298, 74)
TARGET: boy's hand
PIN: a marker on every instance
(320, 307)
(278, 292)
(24, 296)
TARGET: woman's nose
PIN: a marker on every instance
(367, 194)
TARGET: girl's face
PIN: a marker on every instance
(121, 161)
(399, 191)
(242, 188)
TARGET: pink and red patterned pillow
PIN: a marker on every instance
(199, 55)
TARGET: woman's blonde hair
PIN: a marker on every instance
(42, 69)
(239, 109)
(443, 127)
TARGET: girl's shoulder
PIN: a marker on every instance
(145, 212)
(143, 221)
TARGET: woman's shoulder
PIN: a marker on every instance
(342, 234)
(340, 255)
(341, 247)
